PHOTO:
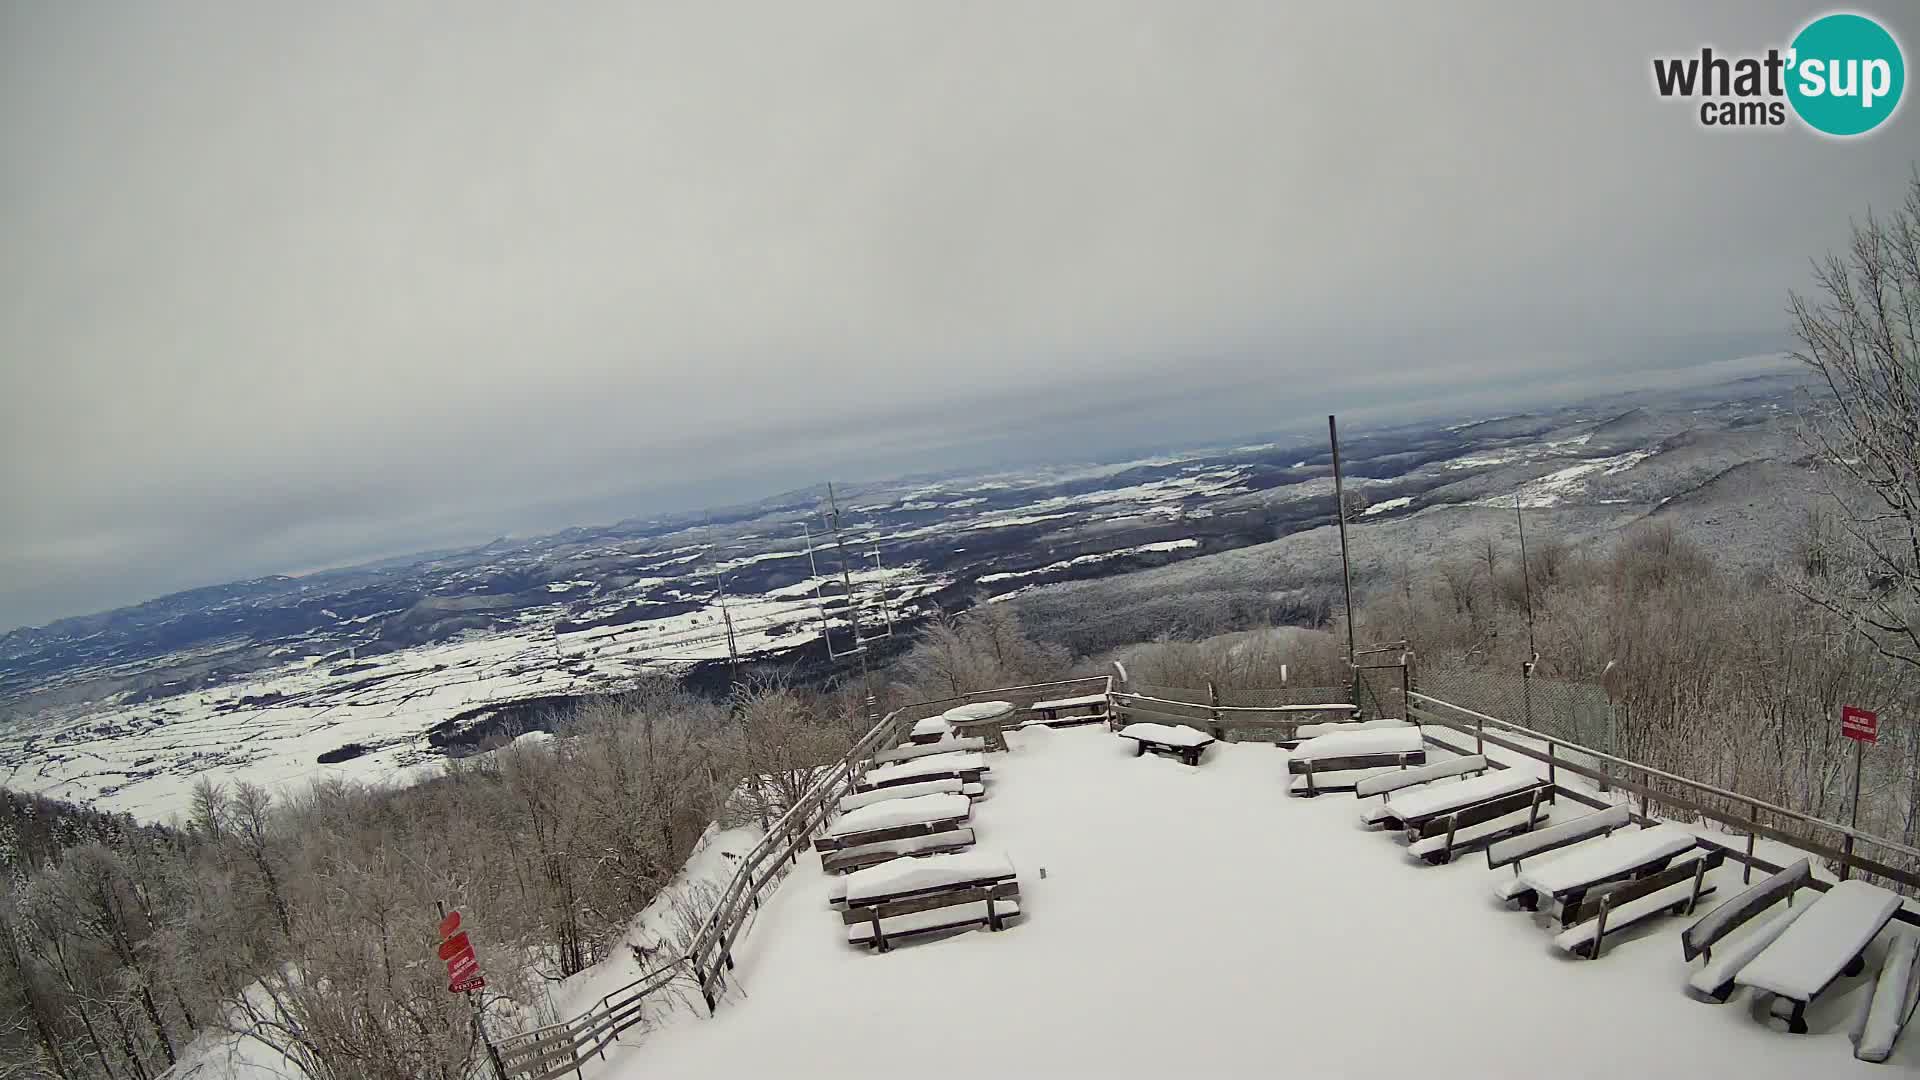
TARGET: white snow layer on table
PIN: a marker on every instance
(1394, 740)
(1080, 702)
(926, 872)
(1814, 949)
(1730, 956)
(1443, 795)
(1593, 860)
(896, 812)
(932, 725)
(950, 784)
(1520, 847)
(1166, 734)
(979, 710)
(1059, 994)
(931, 765)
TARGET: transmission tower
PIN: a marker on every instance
(856, 603)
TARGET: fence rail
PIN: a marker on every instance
(554, 1050)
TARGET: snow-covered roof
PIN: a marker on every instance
(926, 872)
(894, 812)
(1167, 734)
(1390, 740)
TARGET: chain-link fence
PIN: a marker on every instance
(1577, 712)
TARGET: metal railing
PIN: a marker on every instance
(554, 1050)
(1659, 787)
(1220, 720)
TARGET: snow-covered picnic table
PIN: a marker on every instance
(937, 892)
(1416, 804)
(966, 766)
(941, 786)
(1185, 742)
(1050, 710)
(927, 873)
(987, 719)
(1403, 739)
(1829, 938)
(1568, 876)
(1314, 731)
(895, 813)
(930, 730)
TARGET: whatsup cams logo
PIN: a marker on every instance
(1841, 75)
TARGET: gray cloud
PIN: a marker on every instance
(285, 286)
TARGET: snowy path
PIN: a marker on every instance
(1198, 922)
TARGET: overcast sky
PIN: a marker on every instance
(285, 286)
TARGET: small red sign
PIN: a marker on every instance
(1859, 724)
(463, 967)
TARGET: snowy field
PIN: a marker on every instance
(1200, 922)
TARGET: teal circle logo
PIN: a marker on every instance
(1846, 74)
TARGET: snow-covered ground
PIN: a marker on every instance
(1197, 921)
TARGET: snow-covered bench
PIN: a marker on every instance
(860, 856)
(1887, 1009)
(1386, 783)
(1352, 751)
(1567, 878)
(1437, 838)
(896, 819)
(906, 897)
(1512, 851)
(1085, 709)
(1715, 979)
(1826, 941)
(1181, 741)
(919, 750)
(1677, 888)
(968, 767)
(943, 786)
(1412, 807)
(931, 729)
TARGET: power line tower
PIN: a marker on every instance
(726, 615)
(857, 601)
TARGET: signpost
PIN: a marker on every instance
(463, 976)
(1862, 727)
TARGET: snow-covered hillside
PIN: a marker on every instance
(1200, 922)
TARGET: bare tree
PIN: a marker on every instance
(1860, 334)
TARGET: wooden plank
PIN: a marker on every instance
(1674, 874)
(1004, 890)
(1484, 811)
(920, 750)
(1402, 759)
(1439, 770)
(1698, 939)
(1509, 852)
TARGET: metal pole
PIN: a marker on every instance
(480, 1029)
(853, 608)
(1346, 566)
(1853, 819)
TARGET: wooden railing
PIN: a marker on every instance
(553, 1051)
(1745, 815)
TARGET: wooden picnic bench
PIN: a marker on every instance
(910, 751)
(1062, 712)
(942, 786)
(1677, 888)
(1825, 942)
(929, 729)
(1352, 751)
(1437, 838)
(1592, 866)
(1890, 1005)
(967, 767)
(1514, 850)
(908, 897)
(1414, 805)
(896, 819)
(858, 857)
(1177, 740)
(1714, 980)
